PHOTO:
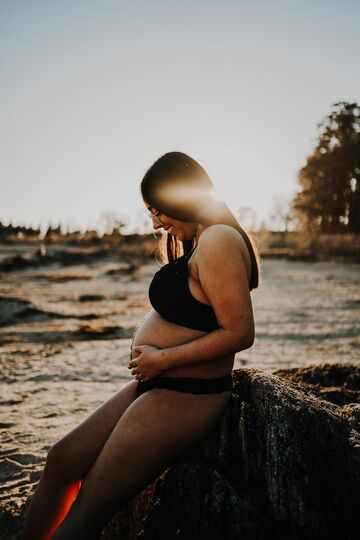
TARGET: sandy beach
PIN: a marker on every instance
(65, 335)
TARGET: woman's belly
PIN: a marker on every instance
(155, 330)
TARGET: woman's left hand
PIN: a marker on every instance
(144, 362)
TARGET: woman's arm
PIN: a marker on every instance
(223, 277)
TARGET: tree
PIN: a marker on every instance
(109, 222)
(281, 213)
(329, 199)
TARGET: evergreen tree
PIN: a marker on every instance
(330, 181)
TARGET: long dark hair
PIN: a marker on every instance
(179, 187)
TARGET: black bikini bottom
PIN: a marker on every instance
(193, 385)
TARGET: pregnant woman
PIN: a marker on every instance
(182, 356)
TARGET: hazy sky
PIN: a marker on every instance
(93, 92)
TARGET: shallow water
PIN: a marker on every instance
(63, 353)
(305, 313)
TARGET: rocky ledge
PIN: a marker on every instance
(282, 463)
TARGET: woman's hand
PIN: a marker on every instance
(144, 362)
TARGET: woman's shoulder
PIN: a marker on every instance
(223, 242)
(220, 234)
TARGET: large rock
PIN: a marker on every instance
(282, 463)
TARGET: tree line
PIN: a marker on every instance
(329, 195)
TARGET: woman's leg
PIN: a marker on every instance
(68, 462)
(157, 429)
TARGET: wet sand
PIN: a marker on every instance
(65, 335)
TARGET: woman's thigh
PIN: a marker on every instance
(156, 430)
(75, 452)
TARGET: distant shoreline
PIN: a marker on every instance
(305, 256)
(17, 253)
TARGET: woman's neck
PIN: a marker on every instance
(199, 230)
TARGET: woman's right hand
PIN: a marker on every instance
(143, 362)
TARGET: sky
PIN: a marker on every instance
(93, 92)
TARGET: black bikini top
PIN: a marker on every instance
(170, 296)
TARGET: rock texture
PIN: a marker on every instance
(282, 463)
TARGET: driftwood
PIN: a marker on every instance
(282, 463)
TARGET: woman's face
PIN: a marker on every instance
(182, 230)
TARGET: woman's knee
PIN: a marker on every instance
(60, 462)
